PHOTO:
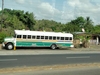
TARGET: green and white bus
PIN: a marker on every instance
(27, 38)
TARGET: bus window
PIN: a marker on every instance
(24, 36)
(33, 37)
(58, 38)
(42, 37)
(62, 38)
(18, 36)
(38, 37)
(50, 37)
(29, 37)
(54, 38)
(70, 38)
(46, 37)
(66, 38)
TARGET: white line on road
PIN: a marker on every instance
(78, 57)
(8, 59)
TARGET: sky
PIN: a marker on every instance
(58, 10)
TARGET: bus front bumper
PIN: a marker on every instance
(3, 44)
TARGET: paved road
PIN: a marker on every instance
(47, 51)
(75, 71)
(50, 59)
(70, 71)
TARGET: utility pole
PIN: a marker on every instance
(2, 15)
(2, 4)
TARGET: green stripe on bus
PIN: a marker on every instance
(41, 44)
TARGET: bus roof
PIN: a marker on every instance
(42, 33)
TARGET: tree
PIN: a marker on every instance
(88, 26)
(22, 17)
(97, 29)
(75, 25)
(48, 25)
(29, 20)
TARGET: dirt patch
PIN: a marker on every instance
(0, 46)
(37, 68)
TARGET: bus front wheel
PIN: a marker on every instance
(9, 46)
(53, 46)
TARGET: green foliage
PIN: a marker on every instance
(48, 25)
(88, 26)
(97, 29)
(18, 19)
(2, 36)
(15, 19)
(75, 25)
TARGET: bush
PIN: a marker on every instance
(2, 36)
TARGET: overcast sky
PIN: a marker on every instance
(58, 10)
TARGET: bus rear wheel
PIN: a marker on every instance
(53, 46)
(9, 46)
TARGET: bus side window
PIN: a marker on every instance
(58, 38)
(18, 36)
(33, 37)
(42, 37)
(54, 38)
(50, 37)
(24, 36)
(38, 37)
(70, 38)
(46, 37)
(62, 38)
(66, 38)
(29, 37)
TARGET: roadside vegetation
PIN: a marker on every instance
(19, 19)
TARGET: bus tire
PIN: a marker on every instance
(9, 46)
(53, 46)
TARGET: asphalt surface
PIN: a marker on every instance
(66, 71)
(41, 51)
(91, 50)
(49, 51)
(50, 59)
(75, 71)
(70, 71)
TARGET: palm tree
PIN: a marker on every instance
(88, 26)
